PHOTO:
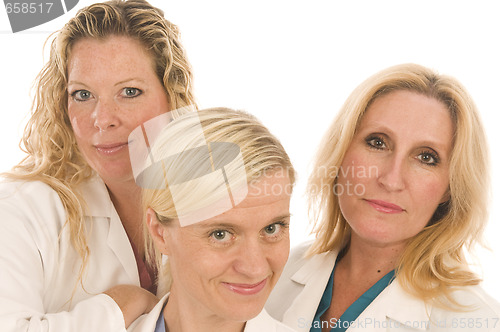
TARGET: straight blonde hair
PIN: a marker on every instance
(433, 261)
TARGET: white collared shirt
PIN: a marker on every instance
(295, 299)
(262, 323)
(40, 268)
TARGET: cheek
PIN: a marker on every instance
(431, 190)
(278, 255)
(356, 170)
(155, 106)
(199, 264)
(79, 123)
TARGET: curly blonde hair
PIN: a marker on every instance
(433, 261)
(53, 155)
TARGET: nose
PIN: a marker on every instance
(392, 173)
(251, 260)
(105, 115)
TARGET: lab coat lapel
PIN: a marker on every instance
(314, 275)
(120, 244)
(99, 205)
(393, 310)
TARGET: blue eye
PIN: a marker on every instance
(131, 92)
(81, 95)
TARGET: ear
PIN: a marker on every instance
(157, 231)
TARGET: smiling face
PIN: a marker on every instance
(395, 172)
(112, 89)
(226, 266)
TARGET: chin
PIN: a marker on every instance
(376, 235)
(120, 174)
(244, 314)
(242, 311)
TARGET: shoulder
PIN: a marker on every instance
(31, 214)
(32, 204)
(474, 300)
(265, 323)
(25, 197)
(10, 188)
(477, 311)
(147, 322)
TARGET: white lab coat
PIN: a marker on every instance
(39, 266)
(262, 323)
(295, 299)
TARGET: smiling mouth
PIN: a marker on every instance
(246, 289)
(110, 148)
(385, 207)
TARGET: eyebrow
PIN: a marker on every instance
(76, 82)
(225, 224)
(117, 83)
(130, 80)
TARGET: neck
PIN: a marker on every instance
(183, 314)
(369, 261)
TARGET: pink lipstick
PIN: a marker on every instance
(110, 149)
(246, 289)
(385, 207)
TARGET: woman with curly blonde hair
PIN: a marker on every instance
(399, 190)
(71, 243)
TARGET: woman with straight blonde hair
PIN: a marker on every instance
(216, 196)
(71, 240)
(398, 192)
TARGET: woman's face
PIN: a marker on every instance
(396, 170)
(112, 89)
(226, 266)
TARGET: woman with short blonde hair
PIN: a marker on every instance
(216, 191)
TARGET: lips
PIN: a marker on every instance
(246, 289)
(109, 149)
(385, 207)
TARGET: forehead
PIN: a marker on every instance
(268, 198)
(120, 54)
(409, 112)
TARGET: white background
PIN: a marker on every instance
(293, 63)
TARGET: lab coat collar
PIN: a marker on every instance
(148, 321)
(96, 197)
(309, 271)
(404, 308)
(263, 321)
(393, 310)
(99, 205)
(393, 305)
(314, 275)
